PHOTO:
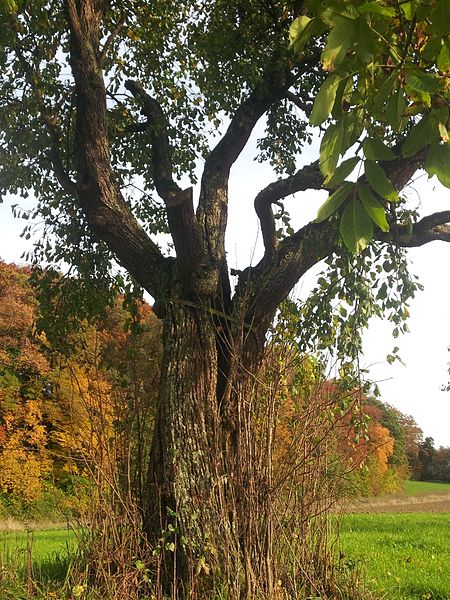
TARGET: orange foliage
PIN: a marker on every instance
(61, 414)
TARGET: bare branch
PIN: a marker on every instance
(306, 107)
(434, 227)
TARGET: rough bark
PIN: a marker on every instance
(205, 478)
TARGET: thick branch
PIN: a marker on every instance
(179, 203)
(110, 39)
(213, 201)
(306, 178)
(306, 107)
(270, 282)
(283, 265)
(162, 163)
(99, 193)
(434, 227)
(401, 170)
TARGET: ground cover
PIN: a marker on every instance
(34, 564)
(417, 488)
(41, 543)
(400, 556)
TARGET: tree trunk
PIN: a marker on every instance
(208, 506)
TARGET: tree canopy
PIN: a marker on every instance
(104, 108)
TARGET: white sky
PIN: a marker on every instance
(413, 388)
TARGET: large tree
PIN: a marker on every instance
(106, 106)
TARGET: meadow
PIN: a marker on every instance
(34, 564)
(419, 488)
(400, 556)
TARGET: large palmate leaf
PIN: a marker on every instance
(341, 37)
(379, 182)
(342, 172)
(373, 208)
(324, 101)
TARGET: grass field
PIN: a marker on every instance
(400, 556)
(43, 544)
(417, 488)
(34, 564)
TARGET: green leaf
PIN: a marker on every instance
(443, 61)
(385, 91)
(342, 172)
(408, 9)
(300, 32)
(339, 40)
(438, 162)
(375, 149)
(422, 134)
(364, 41)
(353, 126)
(423, 82)
(332, 16)
(334, 202)
(432, 48)
(377, 9)
(379, 182)
(331, 148)
(356, 227)
(374, 209)
(439, 17)
(394, 109)
(324, 101)
(298, 26)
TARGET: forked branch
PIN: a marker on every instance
(179, 203)
(308, 177)
(99, 193)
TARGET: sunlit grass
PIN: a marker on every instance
(42, 544)
(416, 488)
(402, 556)
(34, 564)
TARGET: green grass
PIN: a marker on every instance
(400, 556)
(43, 543)
(38, 558)
(416, 488)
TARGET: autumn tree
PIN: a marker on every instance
(105, 109)
(24, 371)
(77, 413)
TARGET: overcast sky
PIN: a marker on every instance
(413, 388)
